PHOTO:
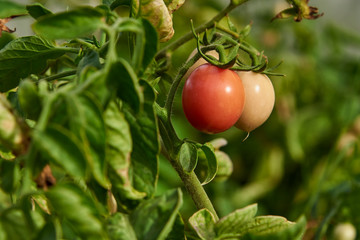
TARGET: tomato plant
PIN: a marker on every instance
(213, 98)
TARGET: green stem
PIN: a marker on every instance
(60, 75)
(191, 181)
(187, 37)
(89, 45)
(195, 189)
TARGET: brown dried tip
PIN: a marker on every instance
(3, 21)
(299, 10)
(45, 178)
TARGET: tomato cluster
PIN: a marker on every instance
(216, 99)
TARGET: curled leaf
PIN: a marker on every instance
(3, 27)
(158, 12)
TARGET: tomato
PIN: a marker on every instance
(259, 102)
(213, 98)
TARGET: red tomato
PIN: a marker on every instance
(213, 98)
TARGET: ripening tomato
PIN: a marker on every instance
(213, 98)
(260, 100)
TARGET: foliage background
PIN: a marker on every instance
(300, 160)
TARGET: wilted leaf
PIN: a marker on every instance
(158, 14)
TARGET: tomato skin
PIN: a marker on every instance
(260, 100)
(213, 98)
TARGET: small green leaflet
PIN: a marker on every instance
(203, 222)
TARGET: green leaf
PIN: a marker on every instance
(208, 164)
(94, 81)
(29, 99)
(87, 124)
(62, 147)
(71, 203)
(203, 222)
(71, 24)
(153, 219)
(24, 56)
(177, 232)
(91, 59)
(276, 228)
(48, 232)
(14, 224)
(5, 39)
(128, 88)
(151, 43)
(9, 176)
(118, 150)
(37, 10)
(116, 3)
(146, 147)
(235, 220)
(119, 228)
(188, 157)
(10, 8)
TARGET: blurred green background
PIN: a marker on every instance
(305, 158)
